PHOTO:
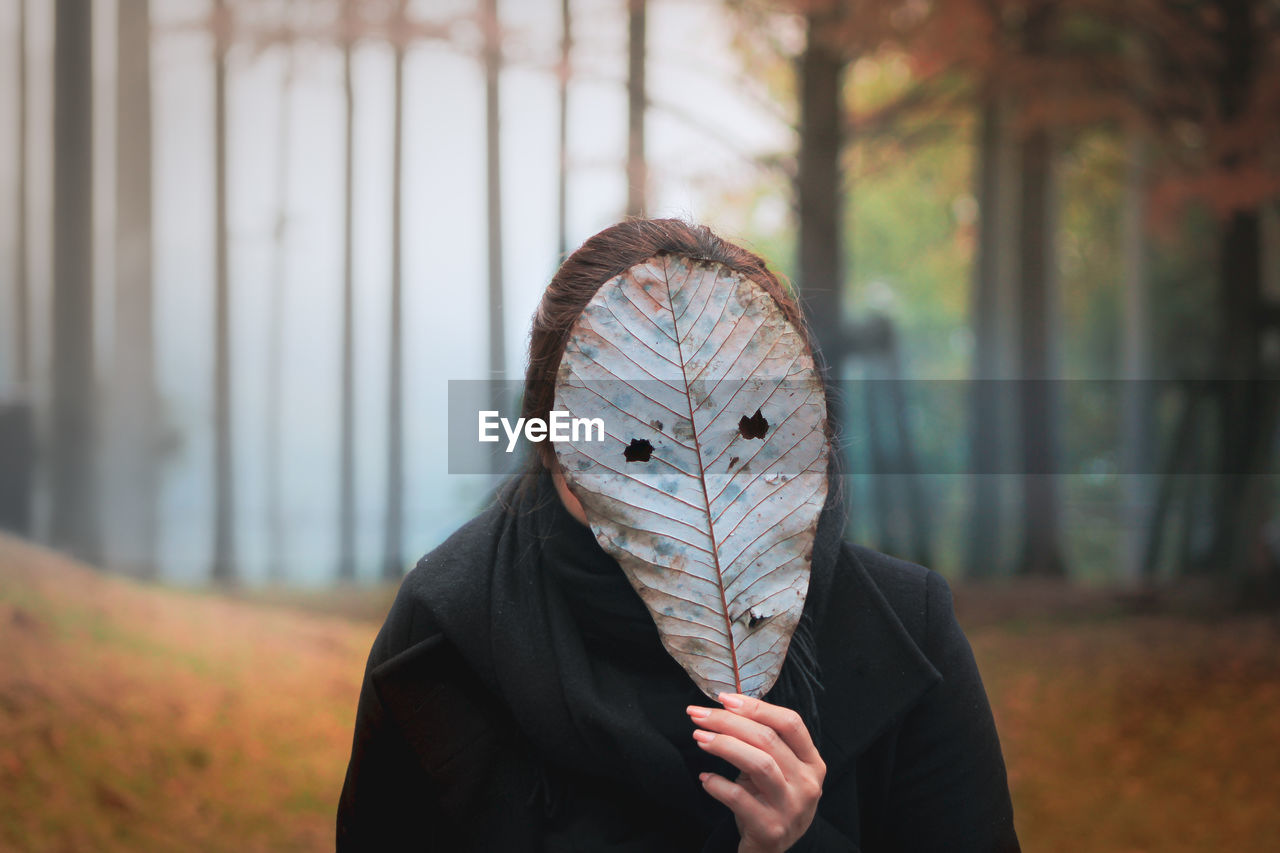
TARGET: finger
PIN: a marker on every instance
(753, 816)
(749, 731)
(753, 761)
(786, 722)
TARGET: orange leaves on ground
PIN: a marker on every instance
(135, 718)
(1151, 733)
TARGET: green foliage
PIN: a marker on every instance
(1091, 186)
(910, 228)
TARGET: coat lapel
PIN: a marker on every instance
(873, 671)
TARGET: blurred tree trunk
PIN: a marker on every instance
(986, 424)
(820, 191)
(562, 174)
(493, 174)
(393, 557)
(346, 463)
(224, 570)
(637, 168)
(1244, 438)
(1042, 547)
(135, 409)
(74, 476)
(1135, 345)
(22, 275)
(276, 323)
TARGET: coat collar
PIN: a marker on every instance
(873, 670)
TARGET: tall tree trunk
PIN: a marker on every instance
(1042, 548)
(22, 275)
(637, 168)
(1135, 346)
(820, 194)
(983, 556)
(134, 404)
(74, 481)
(562, 145)
(276, 324)
(1240, 264)
(493, 174)
(393, 556)
(224, 569)
(347, 461)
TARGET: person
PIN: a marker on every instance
(518, 697)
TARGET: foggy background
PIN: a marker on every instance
(702, 131)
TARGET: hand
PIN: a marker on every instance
(776, 796)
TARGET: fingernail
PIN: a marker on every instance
(703, 777)
(703, 736)
(697, 712)
(729, 700)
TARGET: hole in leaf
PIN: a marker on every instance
(754, 621)
(732, 461)
(753, 427)
(639, 450)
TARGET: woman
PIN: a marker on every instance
(519, 696)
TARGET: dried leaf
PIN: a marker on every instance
(712, 473)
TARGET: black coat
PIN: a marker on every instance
(913, 759)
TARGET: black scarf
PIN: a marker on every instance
(558, 632)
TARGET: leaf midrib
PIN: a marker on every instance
(702, 482)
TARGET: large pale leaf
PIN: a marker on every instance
(712, 473)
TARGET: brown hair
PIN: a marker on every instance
(604, 256)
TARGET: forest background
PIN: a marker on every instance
(248, 243)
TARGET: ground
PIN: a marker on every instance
(138, 718)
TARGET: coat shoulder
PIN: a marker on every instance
(914, 593)
(948, 789)
(450, 565)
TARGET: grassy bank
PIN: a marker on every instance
(134, 718)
